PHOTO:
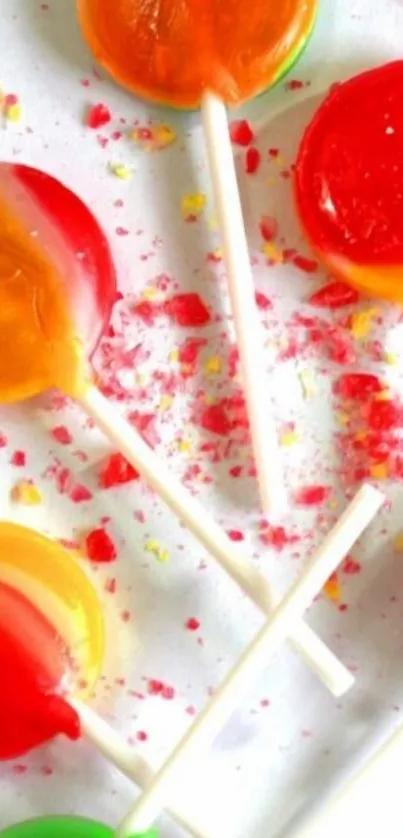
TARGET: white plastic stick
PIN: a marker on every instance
(255, 658)
(132, 765)
(155, 472)
(242, 292)
(318, 826)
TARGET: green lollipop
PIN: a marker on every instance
(65, 827)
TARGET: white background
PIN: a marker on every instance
(270, 767)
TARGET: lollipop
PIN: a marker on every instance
(64, 827)
(51, 647)
(349, 181)
(54, 258)
(191, 53)
(51, 640)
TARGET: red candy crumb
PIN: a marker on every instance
(241, 132)
(335, 295)
(357, 386)
(235, 535)
(294, 84)
(384, 415)
(351, 567)
(312, 495)
(99, 546)
(215, 419)
(79, 493)
(141, 736)
(268, 228)
(97, 116)
(155, 687)
(116, 471)
(168, 692)
(3, 441)
(19, 458)
(187, 310)
(253, 159)
(62, 435)
(192, 624)
(309, 266)
(262, 301)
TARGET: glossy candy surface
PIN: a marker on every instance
(64, 827)
(51, 639)
(349, 181)
(171, 51)
(57, 284)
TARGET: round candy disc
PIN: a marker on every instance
(64, 827)
(51, 639)
(349, 181)
(171, 51)
(57, 283)
(58, 827)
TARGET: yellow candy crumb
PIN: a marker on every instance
(193, 204)
(13, 112)
(153, 546)
(121, 171)
(166, 402)
(391, 358)
(332, 587)
(362, 322)
(379, 471)
(342, 418)
(173, 356)
(398, 543)
(184, 446)
(151, 293)
(271, 251)
(288, 438)
(26, 493)
(308, 384)
(213, 365)
(164, 135)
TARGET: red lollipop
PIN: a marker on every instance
(349, 181)
(32, 707)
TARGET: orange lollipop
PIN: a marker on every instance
(172, 51)
(190, 53)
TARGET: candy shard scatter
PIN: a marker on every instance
(51, 639)
(56, 286)
(170, 51)
(354, 222)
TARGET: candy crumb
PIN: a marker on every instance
(26, 493)
(98, 116)
(99, 546)
(120, 171)
(241, 132)
(116, 471)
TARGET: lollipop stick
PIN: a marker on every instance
(242, 291)
(132, 765)
(252, 661)
(336, 677)
(320, 824)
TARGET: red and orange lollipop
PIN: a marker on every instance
(349, 181)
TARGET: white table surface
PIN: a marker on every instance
(271, 765)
